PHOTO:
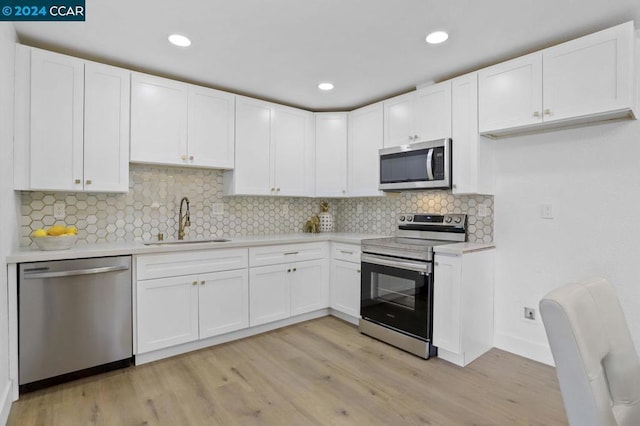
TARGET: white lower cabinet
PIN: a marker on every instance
(280, 291)
(463, 305)
(345, 280)
(174, 307)
(167, 312)
(223, 302)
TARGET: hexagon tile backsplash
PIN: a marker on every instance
(151, 207)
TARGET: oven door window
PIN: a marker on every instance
(398, 298)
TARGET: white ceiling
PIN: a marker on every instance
(281, 49)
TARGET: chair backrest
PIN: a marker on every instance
(596, 360)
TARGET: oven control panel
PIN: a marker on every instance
(427, 219)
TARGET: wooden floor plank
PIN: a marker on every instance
(314, 373)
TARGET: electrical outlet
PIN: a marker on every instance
(530, 314)
(482, 210)
(359, 208)
(59, 211)
(547, 211)
(285, 209)
(217, 209)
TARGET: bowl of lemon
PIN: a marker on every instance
(57, 237)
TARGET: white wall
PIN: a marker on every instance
(591, 176)
(8, 200)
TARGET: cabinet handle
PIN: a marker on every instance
(191, 157)
(183, 157)
(346, 252)
(288, 270)
(410, 138)
(415, 137)
(89, 182)
(547, 111)
(289, 253)
(78, 181)
(294, 269)
(436, 263)
(194, 283)
(536, 114)
(358, 271)
(202, 282)
(278, 189)
(273, 189)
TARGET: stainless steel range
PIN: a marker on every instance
(396, 302)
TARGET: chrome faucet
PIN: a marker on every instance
(186, 218)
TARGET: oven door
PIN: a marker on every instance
(397, 293)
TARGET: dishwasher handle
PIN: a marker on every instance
(89, 271)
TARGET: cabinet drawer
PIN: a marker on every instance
(189, 262)
(273, 255)
(346, 252)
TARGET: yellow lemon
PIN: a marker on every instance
(71, 230)
(39, 233)
(56, 230)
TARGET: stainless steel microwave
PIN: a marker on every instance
(424, 165)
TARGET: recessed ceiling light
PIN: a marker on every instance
(325, 86)
(437, 37)
(180, 40)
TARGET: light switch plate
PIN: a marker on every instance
(547, 211)
(59, 211)
(285, 209)
(217, 209)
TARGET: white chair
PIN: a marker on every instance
(596, 360)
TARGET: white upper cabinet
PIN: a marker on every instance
(274, 150)
(176, 123)
(331, 154)
(106, 128)
(433, 112)
(510, 94)
(211, 131)
(366, 136)
(473, 155)
(71, 124)
(583, 80)
(292, 148)
(418, 116)
(398, 120)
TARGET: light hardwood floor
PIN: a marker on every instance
(321, 372)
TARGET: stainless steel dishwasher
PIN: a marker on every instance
(74, 319)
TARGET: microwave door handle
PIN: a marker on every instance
(430, 164)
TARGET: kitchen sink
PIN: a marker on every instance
(176, 242)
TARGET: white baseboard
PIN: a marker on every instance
(525, 348)
(5, 402)
(344, 317)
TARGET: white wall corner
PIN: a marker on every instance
(5, 403)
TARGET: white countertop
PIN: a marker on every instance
(462, 248)
(33, 254)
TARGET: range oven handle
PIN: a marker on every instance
(430, 164)
(423, 267)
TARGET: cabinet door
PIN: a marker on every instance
(252, 172)
(309, 286)
(331, 154)
(57, 96)
(269, 296)
(158, 120)
(510, 94)
(106, 128)
(447, 301)
(167, 312)
(211, 130)
(433, 112)
(589, 75)
(399, 125)
(223, 302)
(366, 136)
(345, 287)
(473, 155)
(290, 150)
